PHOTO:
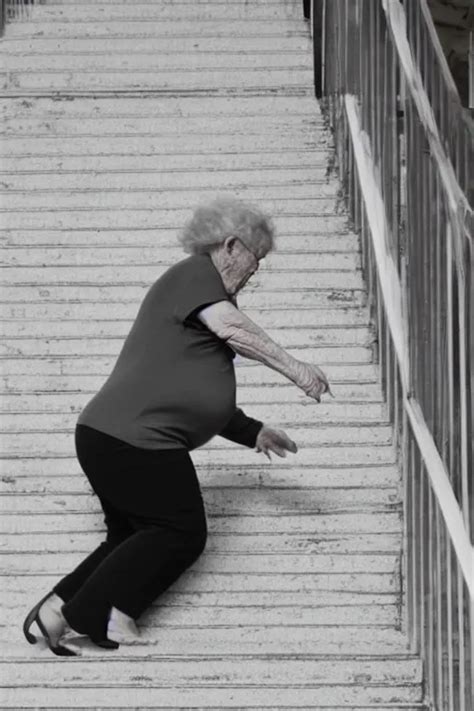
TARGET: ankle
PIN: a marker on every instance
(120, 617)
(55, 603)
(120, 621)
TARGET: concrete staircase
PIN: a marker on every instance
(117, 118)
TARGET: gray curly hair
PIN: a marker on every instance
(214, 221)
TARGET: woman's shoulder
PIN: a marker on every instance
(191, 263)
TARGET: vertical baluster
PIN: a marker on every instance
(439, 576)
(429, 585)
(411, 533)
(449, 636)
(421, 552)
(463, 699)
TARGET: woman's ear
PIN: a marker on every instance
(230, 243)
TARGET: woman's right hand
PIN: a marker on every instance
(313, 381)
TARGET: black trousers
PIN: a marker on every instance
(156, 528)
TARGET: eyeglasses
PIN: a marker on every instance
(252, 253)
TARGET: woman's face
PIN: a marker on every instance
(242, 264)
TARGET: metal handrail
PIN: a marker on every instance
(402, 148)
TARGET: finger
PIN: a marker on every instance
(287, 443)
(279, 450)
(290, 445)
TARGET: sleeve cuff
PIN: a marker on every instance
(242, 429)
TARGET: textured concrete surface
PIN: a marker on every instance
(117, 118)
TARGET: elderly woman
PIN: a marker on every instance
(172, 389)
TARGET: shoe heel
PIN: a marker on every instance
(30, 618)
(57, 649)
(31, 638)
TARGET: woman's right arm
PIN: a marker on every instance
(246, 338)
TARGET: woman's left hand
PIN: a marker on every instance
(276, 441)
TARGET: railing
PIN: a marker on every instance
(453, 121)
(405, 155)
(10, 9)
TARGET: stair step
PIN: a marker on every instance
(366, 521)
(237, 671)
(287, 563)
(290, 223)
(216, 582)
(111, 347)
(40, 387)
(120, 106)
(247, 373)
(106, 347)
(125, 312)
(294, 639)
(306, 197)
(333, 543)
(126, 44)
(74, 219)
(168, 125)
(344, 697)
(53, 440)
(216, 691)
(39, 474)
(326, 336)
(139, 12)
(144, 143)
(258, 615)
(154, 79)
(310, 413)
(146, 239)
(233, 501)
(159, 179)
(224, 706)
(163, 62)
(261, 298)
(163, 166)
(34, 585)
(167, 257)
(141, 28)
(126, 274)
(67, 476)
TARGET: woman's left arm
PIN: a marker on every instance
(253, 433)
(242, 429)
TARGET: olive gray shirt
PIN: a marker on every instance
(173, 385)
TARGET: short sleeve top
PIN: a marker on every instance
(173, 384)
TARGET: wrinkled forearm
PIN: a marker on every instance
(252, 342)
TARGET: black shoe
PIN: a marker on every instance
(106, 643)
(33, 616)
